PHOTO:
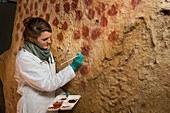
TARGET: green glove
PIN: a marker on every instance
(77, 62)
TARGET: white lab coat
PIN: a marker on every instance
(38, 82)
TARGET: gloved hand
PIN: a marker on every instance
(77, 62)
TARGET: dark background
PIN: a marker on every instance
(7, 15)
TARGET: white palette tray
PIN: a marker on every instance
(61, 102)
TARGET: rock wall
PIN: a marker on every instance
(126, 45)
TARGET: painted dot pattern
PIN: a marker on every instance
(98, 13)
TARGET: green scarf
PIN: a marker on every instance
(43, 54)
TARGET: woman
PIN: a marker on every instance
(36, 74)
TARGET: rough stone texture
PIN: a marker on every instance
(126, 45)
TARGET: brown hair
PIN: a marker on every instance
(34, 27)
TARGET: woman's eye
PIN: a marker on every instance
(45, 39)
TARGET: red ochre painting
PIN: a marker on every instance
(75, 21)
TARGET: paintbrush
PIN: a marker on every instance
(68, 60)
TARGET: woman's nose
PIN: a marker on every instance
(49, 41)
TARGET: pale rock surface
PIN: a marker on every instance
(126, 45)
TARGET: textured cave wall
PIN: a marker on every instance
(126, 45)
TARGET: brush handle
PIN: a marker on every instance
(68, 60)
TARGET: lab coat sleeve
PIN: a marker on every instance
(39, 75)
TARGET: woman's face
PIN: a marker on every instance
(44, 40)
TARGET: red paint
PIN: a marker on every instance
(36, 13)
(95, 33)
(104, 21)
(19, 1)
(57, 8)
(36, 6)
(113, 11)
(22, 29)
(18, 26)
(112, 36)
(52, 1)
(74, 4)
(76, 35)
(31, 6)
(79, 15)
(64, 26)
(85, 31)
(91, 14)
(88, 2)
(22, 38)
(25, 5)
(19, 9)
(15, 53)
(27, 11)
(47, 18)
(57, 104)
(55, 22)
(44, 7)
(84, 70)
(83, 85)
(21, 14)
(41, 16)
(85, 49)
(76, 1)
(101, 8)
(135, 3)
(66, 7)
(20, 47)
(16, 37)
(60, 37)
